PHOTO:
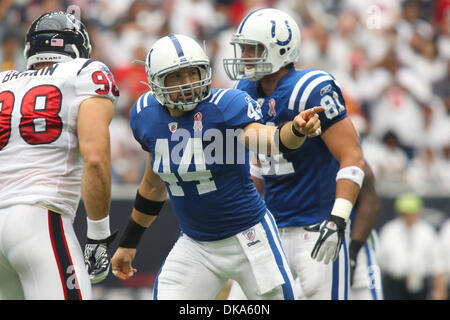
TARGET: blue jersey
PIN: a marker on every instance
(300, 186)
(205, 169)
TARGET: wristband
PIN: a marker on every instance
(342, 208)
(296, 132)
(352, 173)
(132, 235)
(147, 206)
(98, 229)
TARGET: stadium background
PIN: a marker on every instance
(392, 59)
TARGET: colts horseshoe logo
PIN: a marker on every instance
(282, 43)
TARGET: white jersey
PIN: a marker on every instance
(39, 153)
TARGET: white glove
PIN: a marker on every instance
(97, 258)
(330, 240)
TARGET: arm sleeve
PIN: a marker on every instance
(321, 89)
(136, 124)
(94, 79)
(240, 109)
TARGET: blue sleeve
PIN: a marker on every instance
(136, 125)
(327, 94)
(240, 109)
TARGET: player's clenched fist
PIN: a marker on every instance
(307, 122)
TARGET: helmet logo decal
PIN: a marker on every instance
(282, 43)
(178, 47)
(57, 42)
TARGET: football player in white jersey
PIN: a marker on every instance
(54, 148)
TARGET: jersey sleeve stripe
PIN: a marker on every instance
(85, 65)
(299, 84)
(145, 100)
(141, 103)
(215, 95)
(220, 96)
(309, 88)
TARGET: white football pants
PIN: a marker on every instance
(317, 280)
(40, 256)
(367, 283)
(198, 270)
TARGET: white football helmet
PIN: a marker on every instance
(276, 31)
(175, 52)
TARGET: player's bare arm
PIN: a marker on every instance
(306, 123)
(94, 117)
(369, 205)
(151, 188)
(365, 217)
(342, 141)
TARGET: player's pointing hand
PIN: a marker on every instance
(308, 123)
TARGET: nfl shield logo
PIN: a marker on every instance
(173, 126)
(249, 234)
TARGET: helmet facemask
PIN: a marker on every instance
(189, 94)
(171, 54)
(252, 68)
(272, 29)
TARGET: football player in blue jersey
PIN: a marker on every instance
(197, 139)
(365, 272)
(310, 191)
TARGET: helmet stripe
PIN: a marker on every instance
(243, 22)
(178, 47)
(149, 57)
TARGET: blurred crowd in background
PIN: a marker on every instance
(391, 58)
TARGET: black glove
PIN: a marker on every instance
(330, 240)
(354, 247)
(97, 258)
